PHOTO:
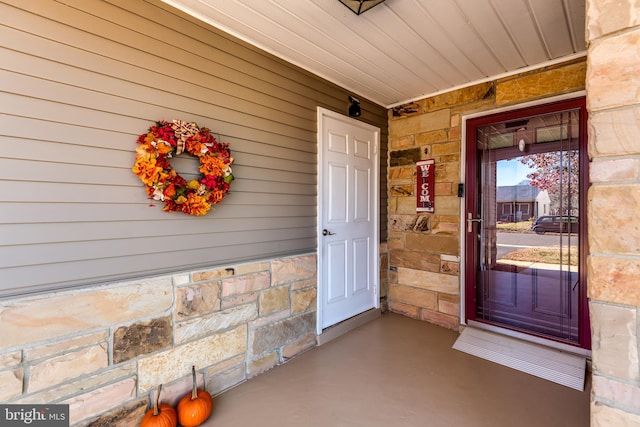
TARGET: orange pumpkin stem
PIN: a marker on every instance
(155, 401)
(194, 390)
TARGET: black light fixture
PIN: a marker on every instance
(360, 6)
(354, 108)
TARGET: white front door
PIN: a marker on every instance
(348, 218)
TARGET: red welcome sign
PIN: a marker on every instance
(425, 182)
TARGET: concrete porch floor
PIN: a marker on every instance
(400, 372)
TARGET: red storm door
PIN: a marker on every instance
(525, 228)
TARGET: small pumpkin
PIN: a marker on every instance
(195, 407)
(161, 415)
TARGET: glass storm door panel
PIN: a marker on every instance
(524, 224)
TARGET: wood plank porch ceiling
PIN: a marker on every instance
(404, 50)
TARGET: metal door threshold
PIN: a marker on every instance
(551, 364)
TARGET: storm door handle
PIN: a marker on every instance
(470, 221)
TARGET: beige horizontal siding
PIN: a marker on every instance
(81, 79)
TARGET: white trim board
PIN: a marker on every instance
(534, 359)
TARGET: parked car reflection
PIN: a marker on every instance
(555, 224)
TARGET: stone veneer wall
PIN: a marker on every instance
(104, 349)
(424, 249)
(613, 101)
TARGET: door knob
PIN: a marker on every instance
(326, 232)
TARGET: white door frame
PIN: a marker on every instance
(375, 262)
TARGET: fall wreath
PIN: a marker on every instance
(169, 139)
